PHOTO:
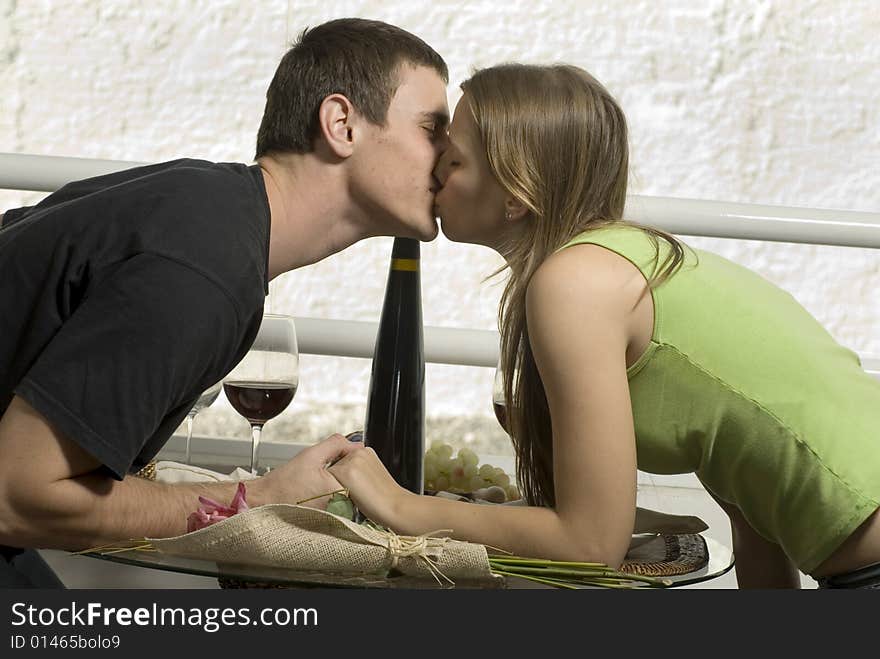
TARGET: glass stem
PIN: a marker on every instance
(189, 434)
(255, 446)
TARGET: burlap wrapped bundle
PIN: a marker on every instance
(307, 539)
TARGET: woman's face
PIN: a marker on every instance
(471, 203)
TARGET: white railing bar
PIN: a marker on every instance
(692, 217)
(21, 171)
(443, 345)
(350, 338)
(871, 363)
(789, 224)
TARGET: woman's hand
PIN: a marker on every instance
(307, 475)
(372, 489)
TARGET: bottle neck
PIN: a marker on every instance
(406, 248)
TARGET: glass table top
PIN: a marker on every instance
(720, 561)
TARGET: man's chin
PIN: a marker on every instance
(428, 231)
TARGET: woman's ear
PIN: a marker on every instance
(336, 118)
(514, 210)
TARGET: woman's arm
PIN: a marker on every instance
(578, 308)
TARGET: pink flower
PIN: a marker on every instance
(211, 511)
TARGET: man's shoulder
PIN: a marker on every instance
(185, 186)
(192, 171)
(181, 177)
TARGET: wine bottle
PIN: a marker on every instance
(395, 423)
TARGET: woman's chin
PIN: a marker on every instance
(458, 238)
(456, 235)
(444, 227)
(451, 236)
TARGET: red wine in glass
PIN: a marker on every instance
(259, 401)
(500, 413)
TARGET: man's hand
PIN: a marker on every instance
(306, 475)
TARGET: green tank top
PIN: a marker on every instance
(742, 386)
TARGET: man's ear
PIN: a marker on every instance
(514, 210)
(336, 118)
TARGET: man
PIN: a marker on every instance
(126, 295)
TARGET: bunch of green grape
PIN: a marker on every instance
(463, 473)
(339, 504)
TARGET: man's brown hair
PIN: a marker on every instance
(355, 57)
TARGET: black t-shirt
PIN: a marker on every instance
(124, 296)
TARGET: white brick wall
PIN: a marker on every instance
(765, 102)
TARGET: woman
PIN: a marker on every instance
(632, 350)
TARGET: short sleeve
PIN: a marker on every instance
(13, 215)
(146, 340)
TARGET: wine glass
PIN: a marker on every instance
(262, 385)
(498, 402)
(208, 396)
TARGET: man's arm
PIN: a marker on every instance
(53, 494)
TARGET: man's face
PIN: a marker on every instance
(393, 173)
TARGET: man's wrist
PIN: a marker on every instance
(258, 492)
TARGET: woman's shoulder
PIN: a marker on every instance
(582, 259)
(585, 273)
(611, 234)
(597, 257)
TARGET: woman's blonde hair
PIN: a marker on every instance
(556, 141)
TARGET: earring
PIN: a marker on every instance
(508, 215)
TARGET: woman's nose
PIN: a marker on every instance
(441, 170)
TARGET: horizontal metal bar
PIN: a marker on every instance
(443, 345)
(223, 454)
(693, 217)
(871, 364)
(21, 171)
(697, 217)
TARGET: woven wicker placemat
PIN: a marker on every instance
(148, 471)
(667, 555)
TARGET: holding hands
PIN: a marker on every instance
(307, 474)
(331, 465)
(372, 489)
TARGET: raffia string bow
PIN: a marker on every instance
(421, 547)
